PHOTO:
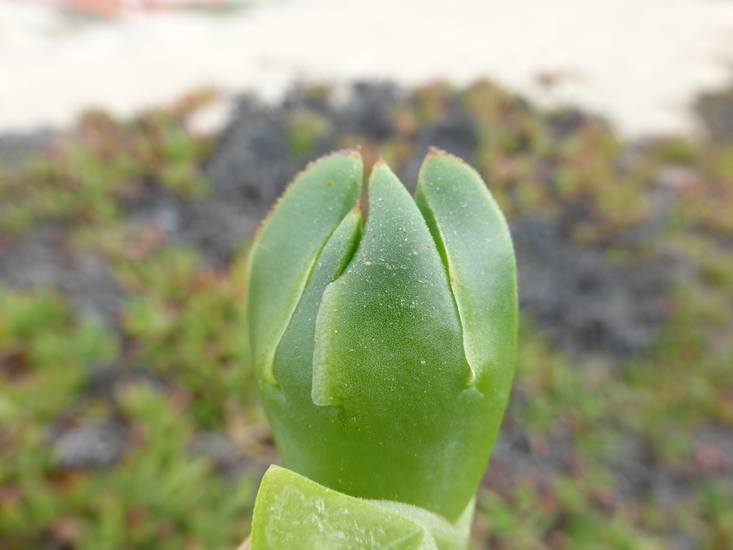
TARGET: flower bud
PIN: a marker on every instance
(385, 350)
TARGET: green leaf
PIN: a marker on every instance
(475, 243)
(375, 397)
(289, 244)
(294, 513)
(382, 319)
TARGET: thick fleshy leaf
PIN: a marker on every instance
(293, 360)
(475, 243)
(388, 369)
(295, 513)
(377, 322)
(288, 245)
(374, 396)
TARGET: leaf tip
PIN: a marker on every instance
(434, 152)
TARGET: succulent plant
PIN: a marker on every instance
(294, 513)
(385, 344)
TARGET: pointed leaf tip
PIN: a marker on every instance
(379, 295)
(473, 236)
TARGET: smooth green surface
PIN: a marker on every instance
(289, 243)
(293, 512)
(474, 237)
(374, 396)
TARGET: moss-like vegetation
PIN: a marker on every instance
(597, 451)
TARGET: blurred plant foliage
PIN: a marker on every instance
(631, 454)
(107, 162)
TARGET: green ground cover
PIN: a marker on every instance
(616, 453)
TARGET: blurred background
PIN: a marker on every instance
(142, 142)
